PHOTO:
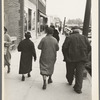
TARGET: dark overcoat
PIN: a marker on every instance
(76, 48)
(56, 35)
(27, 49)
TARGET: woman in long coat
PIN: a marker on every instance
(49, 47)
(7, 55)
(27, 49)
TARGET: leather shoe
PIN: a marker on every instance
(29, 75)
(78, 91)
(44, 87)
(50, 81)
(23, 78)
(8, 71)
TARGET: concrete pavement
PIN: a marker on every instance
(31, 88)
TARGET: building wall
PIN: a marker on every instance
(21, 21)
(33, 1)
(11, 19)
(41, 7)
(14, 16)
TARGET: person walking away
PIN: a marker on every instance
(56, 33)
(7, 54)
(27, 49)
(49, 47)
(45, 28)
(63, 49)
(77, 48)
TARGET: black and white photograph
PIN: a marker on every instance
(49, 50)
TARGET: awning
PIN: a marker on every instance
(43, 15)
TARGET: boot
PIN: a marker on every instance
(44, 82)
(50, 80)
(44, 85)
(23, 78)
(28, 75)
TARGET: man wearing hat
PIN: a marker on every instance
(76, 49)
(27, 49)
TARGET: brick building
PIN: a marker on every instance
(23, 15)
(12, 17)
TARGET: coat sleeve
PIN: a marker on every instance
(88, 45)
(57, 36)
(33, 51)
(40, 45)
(65, 47)
(8, 38)
(19, 48)
(57, 47)
(8, 42)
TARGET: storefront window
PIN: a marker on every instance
(41, 24)
(29, 18)
(25, 21)
(33, 27)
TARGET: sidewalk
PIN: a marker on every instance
(31, 88)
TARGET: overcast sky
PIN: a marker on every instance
(70, 9)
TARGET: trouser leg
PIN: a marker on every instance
(79, 76)
(8, 69)
(70, 72)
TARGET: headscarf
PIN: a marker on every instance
(28, 35)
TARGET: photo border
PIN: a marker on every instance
(98, 58)
(0, 49)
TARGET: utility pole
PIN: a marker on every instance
(86, 24)
(87, 18)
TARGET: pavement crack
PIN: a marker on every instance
(26, 94)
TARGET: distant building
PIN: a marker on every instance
(50, 20)
(54, 20)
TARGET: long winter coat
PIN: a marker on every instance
(49, 48)
(27, 49)
(7, 54)
(76, 48)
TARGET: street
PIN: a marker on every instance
(31, 88)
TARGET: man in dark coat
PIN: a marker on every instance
(75, 50)
(55, 33)
(27, 49)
